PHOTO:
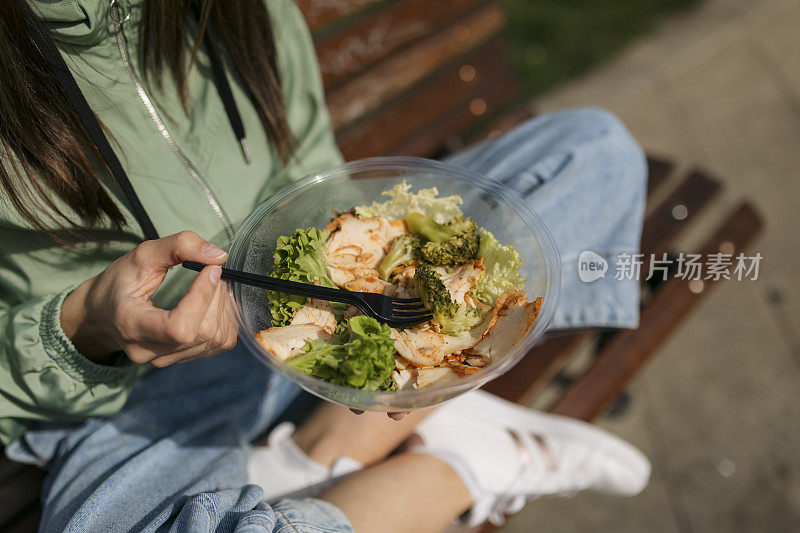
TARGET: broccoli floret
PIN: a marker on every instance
(431, 290)
(404, 250)
(450, 244)
(454, 251)
(451, 317)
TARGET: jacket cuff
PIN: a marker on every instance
(61, 350)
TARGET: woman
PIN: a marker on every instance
(204, 111)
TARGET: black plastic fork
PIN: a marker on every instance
(396, 312)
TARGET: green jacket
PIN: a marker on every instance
(42, 376)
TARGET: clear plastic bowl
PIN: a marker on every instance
(314, 200)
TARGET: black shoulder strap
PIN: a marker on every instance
(41, 36)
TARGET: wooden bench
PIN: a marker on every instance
(422, 78)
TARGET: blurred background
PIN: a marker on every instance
(556, 40)
(716, 84)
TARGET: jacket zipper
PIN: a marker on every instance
(159, 123)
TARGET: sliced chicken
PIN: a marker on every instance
(370, 284)
(423, 346)
(360, 242)
(469, 338)
(419, 346)
(348, 257)
(515, 316)
(461, 280)
(470, 301)
(288, 341)
(423, 377)
(476, 361)
(317, 313)
(340, 276)
(361, 280)
(464, 370)
(404, 282)
(402, 378)
(438, 375)
(454, 359)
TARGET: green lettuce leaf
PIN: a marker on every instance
(360, 356)
(298, 258)
(502, 265)
(402, 202)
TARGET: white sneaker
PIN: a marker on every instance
(507, 454)
(282, 469)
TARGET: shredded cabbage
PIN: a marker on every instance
(402, 202)
(502, 264)
(360, 356)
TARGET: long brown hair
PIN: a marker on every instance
(51, 171)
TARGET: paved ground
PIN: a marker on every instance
(717, 410)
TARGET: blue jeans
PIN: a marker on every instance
(174, 457)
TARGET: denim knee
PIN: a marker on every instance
(615, 143)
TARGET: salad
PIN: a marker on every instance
(412, 245)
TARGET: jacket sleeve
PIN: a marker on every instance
(43, 377)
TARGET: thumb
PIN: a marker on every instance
(190, 311)
(171, 250)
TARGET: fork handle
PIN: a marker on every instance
(281, 285)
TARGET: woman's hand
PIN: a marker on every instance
(112, 311)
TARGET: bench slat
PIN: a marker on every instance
(408, 117)
(431, 140)
(538, 367)
(375, 36)
(658, 172)
(365, 93)
(619, 361)
(669, 218)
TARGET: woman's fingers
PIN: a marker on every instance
(393, 416)
(122, 316)
(218, 325)
(224, 342)
(181, 356)
(185, 321)
(212, 320)
(175, 329)
(229, 326)
(217, 334)
(170, 251)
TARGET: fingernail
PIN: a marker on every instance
(214, 275)
(212, 252)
